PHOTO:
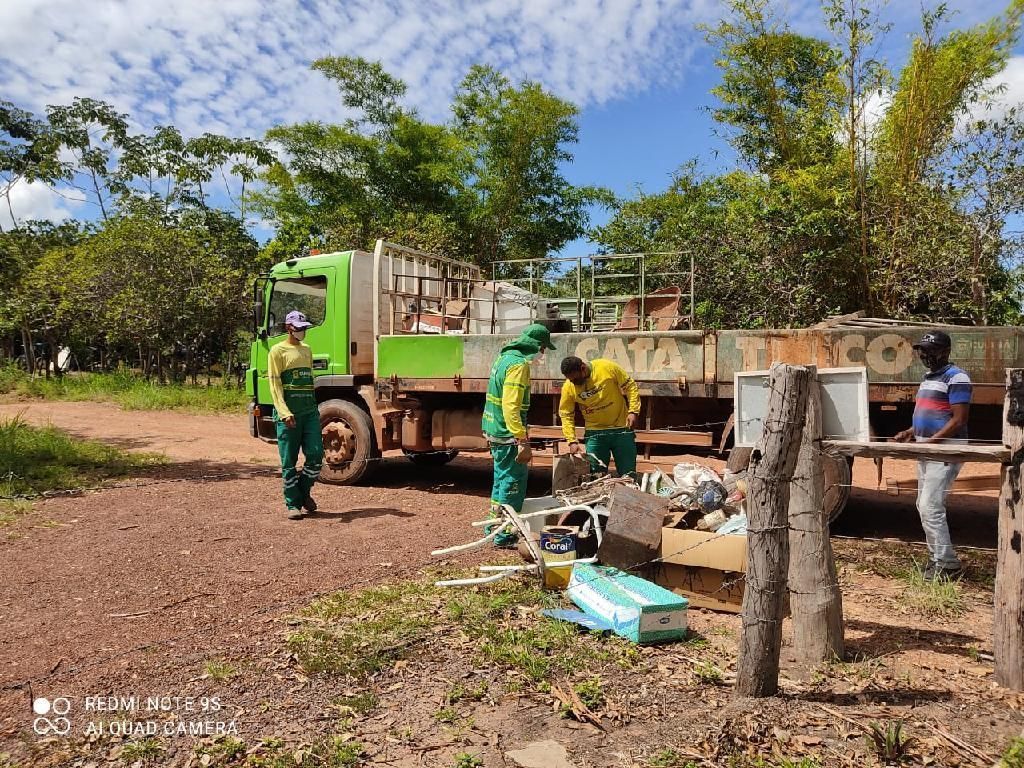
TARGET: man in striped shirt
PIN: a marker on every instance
(940, 416)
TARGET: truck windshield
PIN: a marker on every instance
(306, 294)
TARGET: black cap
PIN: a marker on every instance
(934, 340)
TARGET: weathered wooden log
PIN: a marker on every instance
(771, 470)
(815, 599)
(1008, 645)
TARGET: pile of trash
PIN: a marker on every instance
(700, 498)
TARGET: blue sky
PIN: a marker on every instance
(639, 69)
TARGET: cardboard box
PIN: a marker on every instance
(635, 608)
(704, 587)
(704, 567)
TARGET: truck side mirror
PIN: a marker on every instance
(257, 316)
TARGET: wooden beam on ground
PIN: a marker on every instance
(921, 451)
(771, 471)
(1008, 645)
(815, 599)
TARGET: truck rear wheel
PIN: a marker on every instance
(350, 448)
(430, 458)
(838, 473)
(836, 469)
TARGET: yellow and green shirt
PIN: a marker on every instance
(290, 373)
(600, 398)
(508, 396)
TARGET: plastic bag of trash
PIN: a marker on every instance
(736, 524)
(687, 476)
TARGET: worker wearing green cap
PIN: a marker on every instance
(504, 421)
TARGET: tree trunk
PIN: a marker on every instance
(30, 353)
(815, 598)
(772, 465)
(1008, 644)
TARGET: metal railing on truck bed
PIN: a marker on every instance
(419, 293)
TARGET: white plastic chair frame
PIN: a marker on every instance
(513, 519)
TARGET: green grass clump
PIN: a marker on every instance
(34, 460)
(360, 634)
(146, 749)
(1013, 756)
(933, 597)
(126, 388)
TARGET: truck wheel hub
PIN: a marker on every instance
(339, 443)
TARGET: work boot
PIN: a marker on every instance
(935, 572)
(295, 514)
(309, 505)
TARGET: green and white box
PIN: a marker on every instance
(635, 608)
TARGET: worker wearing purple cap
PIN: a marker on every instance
(290, 371)
(940, 416)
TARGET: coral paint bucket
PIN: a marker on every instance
(558, 546)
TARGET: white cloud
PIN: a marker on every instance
(243, 65)
(34, 200)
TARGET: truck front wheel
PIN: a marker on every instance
(350, 447)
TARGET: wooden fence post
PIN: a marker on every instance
(772, 465)
(1008, 645)
(814, 595)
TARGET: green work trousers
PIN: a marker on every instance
(305, 435)
(618, 442)
(509, 486)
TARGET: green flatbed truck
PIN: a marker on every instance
(403, 343)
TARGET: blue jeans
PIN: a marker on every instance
(934, 479)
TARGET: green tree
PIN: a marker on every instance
(487, 185)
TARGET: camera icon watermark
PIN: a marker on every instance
(51, 716)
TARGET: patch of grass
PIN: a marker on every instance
(591, 693)
(669, 758)
(447, 715)
(1013, 756)
(460, 692)
(707, 673)
(358, 704)
(38, 459)
(933, 597)
(126, 388)
(219, 670)
(146, 749)
(10, 511)
(466, 760)
(697, 642)
(889, 743)
(329, 752)
(222, 750)
(360, 634)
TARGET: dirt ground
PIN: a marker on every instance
(136, 589)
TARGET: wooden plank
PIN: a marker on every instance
(771, 471)
(832, 322)
(632, 535)
(653, 436)
(815, 598)
(1008, 629)
(920, 451)
(895, 487)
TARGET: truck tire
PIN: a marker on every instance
(350, 446)
(838, 473)
(430, 458)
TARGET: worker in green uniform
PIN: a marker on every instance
(504, 421)
(610, 402)
(290, 371)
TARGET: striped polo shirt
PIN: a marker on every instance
(939, 391)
